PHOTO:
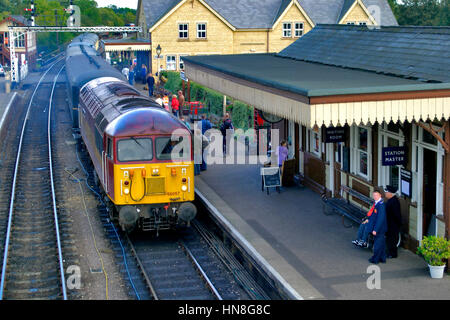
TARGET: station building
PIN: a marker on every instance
(361, 108)
(202, 27)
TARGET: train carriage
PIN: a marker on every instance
(83, 65)
(141, 153)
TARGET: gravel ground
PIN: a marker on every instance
(89, 238)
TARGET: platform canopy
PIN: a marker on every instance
(114, 45)
(336, 75)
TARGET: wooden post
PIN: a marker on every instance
(189, 91)
(447, 187)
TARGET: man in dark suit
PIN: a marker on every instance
(394, 220)
(378, 227)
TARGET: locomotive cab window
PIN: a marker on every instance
(109, 148)
(177, 149)
(135, 149)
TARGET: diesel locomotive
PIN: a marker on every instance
(142, 154)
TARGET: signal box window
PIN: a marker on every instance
(135, 149)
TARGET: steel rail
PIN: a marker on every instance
(200, 269)
(141, 266)
(13, 189)
(55, 212)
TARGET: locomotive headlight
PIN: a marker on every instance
(155, 172)
(126, 191)
(184, 188)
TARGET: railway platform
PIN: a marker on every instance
(310, 253)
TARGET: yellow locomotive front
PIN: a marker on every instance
(154, 195)
(148, 174)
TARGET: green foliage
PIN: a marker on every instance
(434, 250)
(422, 12)
(51, 12)
(212, 100)
(173, 83)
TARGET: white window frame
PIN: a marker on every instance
(356, 152)
(287, 32)
(180, 31)
(171, 65)
(351, 23)
(362, 23)
(19, 39)
(301, 30)
(311, 139)
(200, 31)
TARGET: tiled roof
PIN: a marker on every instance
(252, 14)
(411, 52)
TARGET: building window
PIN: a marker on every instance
(298, 30)
(201, 30)
(171, 63)
(352, 23)
(287, 29)
(363, 23)
(19, 40)
(183, 31)
(361, 140)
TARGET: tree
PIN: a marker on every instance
(422, 12)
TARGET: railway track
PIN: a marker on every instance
(32, 265)
(189, 265)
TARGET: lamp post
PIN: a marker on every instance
(158, 55)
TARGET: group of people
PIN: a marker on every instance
(383, 221)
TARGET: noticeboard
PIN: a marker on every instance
(406, 182)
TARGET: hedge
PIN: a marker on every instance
(241, 113)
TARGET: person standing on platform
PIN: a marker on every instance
(206, 125)
(166, 102)
(181, 100)
(282, 153)
(144, 73)
(159, 100)
(394, 220)
(125, 72)
(131, 75)
(378, 227)
(175, 105)
(150, 83)
(226, 125)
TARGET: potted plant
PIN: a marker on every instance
(435, 250)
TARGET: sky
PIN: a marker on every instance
(119, 3)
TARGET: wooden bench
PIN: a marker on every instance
(345, 208)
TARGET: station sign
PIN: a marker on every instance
(394, 156)
(334, 134)
(183, 76)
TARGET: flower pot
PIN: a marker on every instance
(437, 272)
